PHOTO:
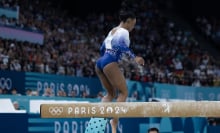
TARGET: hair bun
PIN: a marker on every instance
(125, 14)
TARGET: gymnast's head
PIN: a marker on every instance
(127, 19)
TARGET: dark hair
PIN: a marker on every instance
(153, 129)
(124, 15)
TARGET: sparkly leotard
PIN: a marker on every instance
(114, 47)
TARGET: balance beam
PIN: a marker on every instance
(132, 109)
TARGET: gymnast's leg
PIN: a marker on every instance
(107, 85)
(99, 124)
(117, 80)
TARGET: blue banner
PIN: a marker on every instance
(144, 90)
(66, 83)
(32, 123)
(12, 79)
(13, 123)
(92, 86)
(167, 91)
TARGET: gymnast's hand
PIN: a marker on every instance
(139, 60)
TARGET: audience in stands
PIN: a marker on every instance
(209, 27)
(71, 45)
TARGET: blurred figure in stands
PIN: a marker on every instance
(153, 130)
(48, 92)
(16, 105)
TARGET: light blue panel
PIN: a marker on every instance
(10, 13)
(40, 129)
(38, 120)
(169, 91)
(205, 129)
(165, 125)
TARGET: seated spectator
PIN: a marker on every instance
(153, 130)
(1, 91)
(48, 92)
(35, 93)
(61, 93)
(213, 121)
(5, 91)
(16, 105)
(14, 92)
(28, 92)
(196, 83)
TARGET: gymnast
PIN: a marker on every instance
(114, 47)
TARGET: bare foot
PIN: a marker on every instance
(107, 98)
(113, 125)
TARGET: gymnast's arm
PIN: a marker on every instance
(125, 42)
(102, 49)
(128, 52)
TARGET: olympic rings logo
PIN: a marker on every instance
(56, 110)
(5, 83)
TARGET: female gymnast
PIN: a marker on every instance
(115, 45)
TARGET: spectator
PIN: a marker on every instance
(213, 121)
(135, 95)
(28, 92)
(100, 95)
(16, 105)
(196, 83)
(1, 91)
(14, 92)
(5, 91)
(153, 130)
(48, 92)
(61, 93)
(84, 94)
(35, 93)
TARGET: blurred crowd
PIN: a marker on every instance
(71, 45)
(209, 27)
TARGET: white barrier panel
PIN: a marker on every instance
(6, 106)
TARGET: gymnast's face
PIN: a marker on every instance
(130, 23)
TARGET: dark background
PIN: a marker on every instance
(192, 8)
(83, 7)
(186, 8)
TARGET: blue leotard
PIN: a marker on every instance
(114, 47)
